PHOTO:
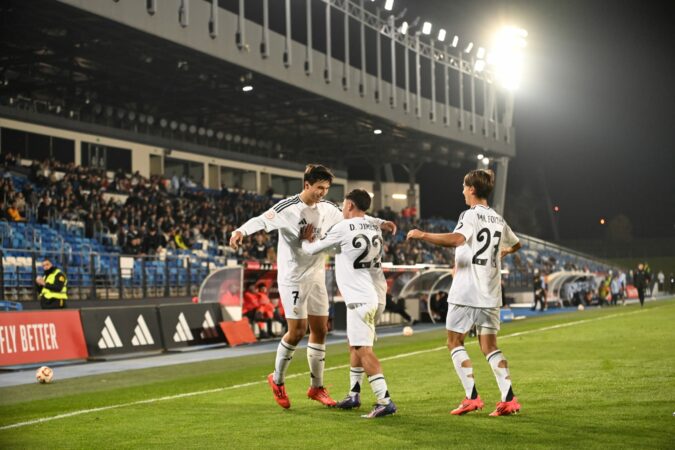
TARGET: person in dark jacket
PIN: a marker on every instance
(641, 281)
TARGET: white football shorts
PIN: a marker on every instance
(361, 324)
(300, 300)
(461, 318)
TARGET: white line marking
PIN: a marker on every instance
(254, 383)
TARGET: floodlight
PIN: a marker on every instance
(480, 65)
(486, 160)
(469, 48)
(389, 5)
(480, 156)
(441, 35)
(247, 88)
(455, 41)
(399, 196)
(507, 56)
(404, 27)
(426, 28)
(480, 54)
(377, 131)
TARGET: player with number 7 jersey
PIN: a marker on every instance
(481, 238)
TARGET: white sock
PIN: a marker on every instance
(501, 374)
(355, 380)
(284, 355)
(316, 357)
(379, 386)
(459, 355)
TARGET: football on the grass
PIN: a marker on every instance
(44, 375)
(407, 331)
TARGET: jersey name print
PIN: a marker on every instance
(477, 280)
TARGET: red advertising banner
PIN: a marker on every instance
(40, 336)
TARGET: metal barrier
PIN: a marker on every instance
(105, 276)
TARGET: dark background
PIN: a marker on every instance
(595, 128)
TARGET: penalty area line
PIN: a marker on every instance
(255, 383)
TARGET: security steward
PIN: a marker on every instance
(53, 294)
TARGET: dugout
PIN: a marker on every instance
(417, 293)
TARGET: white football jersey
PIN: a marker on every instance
(477, 280)
(289, 216)
(358, 263)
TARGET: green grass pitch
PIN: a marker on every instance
(600, 378)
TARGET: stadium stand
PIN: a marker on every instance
(124, 235)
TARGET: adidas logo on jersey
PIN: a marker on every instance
(209, 327)
(183, 333)
(109, 336)
(142, 335)
(302, 222)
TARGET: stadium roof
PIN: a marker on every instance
(61, 60)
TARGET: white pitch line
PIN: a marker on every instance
(254, 383)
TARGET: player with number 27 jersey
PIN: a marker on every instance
(477, 280)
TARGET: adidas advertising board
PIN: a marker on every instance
(188, 324)
(121, 330)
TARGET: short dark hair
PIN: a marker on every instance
(483, 181)
(360, 198)
(317, 172)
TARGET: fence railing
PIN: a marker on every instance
(94, 276)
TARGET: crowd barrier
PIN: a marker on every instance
(40, 336)
(47, 336)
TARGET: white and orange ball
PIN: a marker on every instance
(407, 331)
(44, 375)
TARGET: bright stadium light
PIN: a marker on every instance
(507, 56)
(486, 160)
(455, 41)
(480, 156)
(399, 196)
(480, 54)
(468, 48)
(480, 65)
(247, 88)
(426, 28)
(377, 131)
(404, 27)
(389, 5)
(441, 35)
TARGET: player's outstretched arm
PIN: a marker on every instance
(330, 240)
(442, 239)
(268, 221)
(513, 249)
(389, 226)
(236, 239)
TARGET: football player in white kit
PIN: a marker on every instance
(301, 277)
(359, 245)
(482, 238)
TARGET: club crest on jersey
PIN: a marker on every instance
(270, 214)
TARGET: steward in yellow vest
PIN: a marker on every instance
(53, 293)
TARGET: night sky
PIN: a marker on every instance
(595, 115)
